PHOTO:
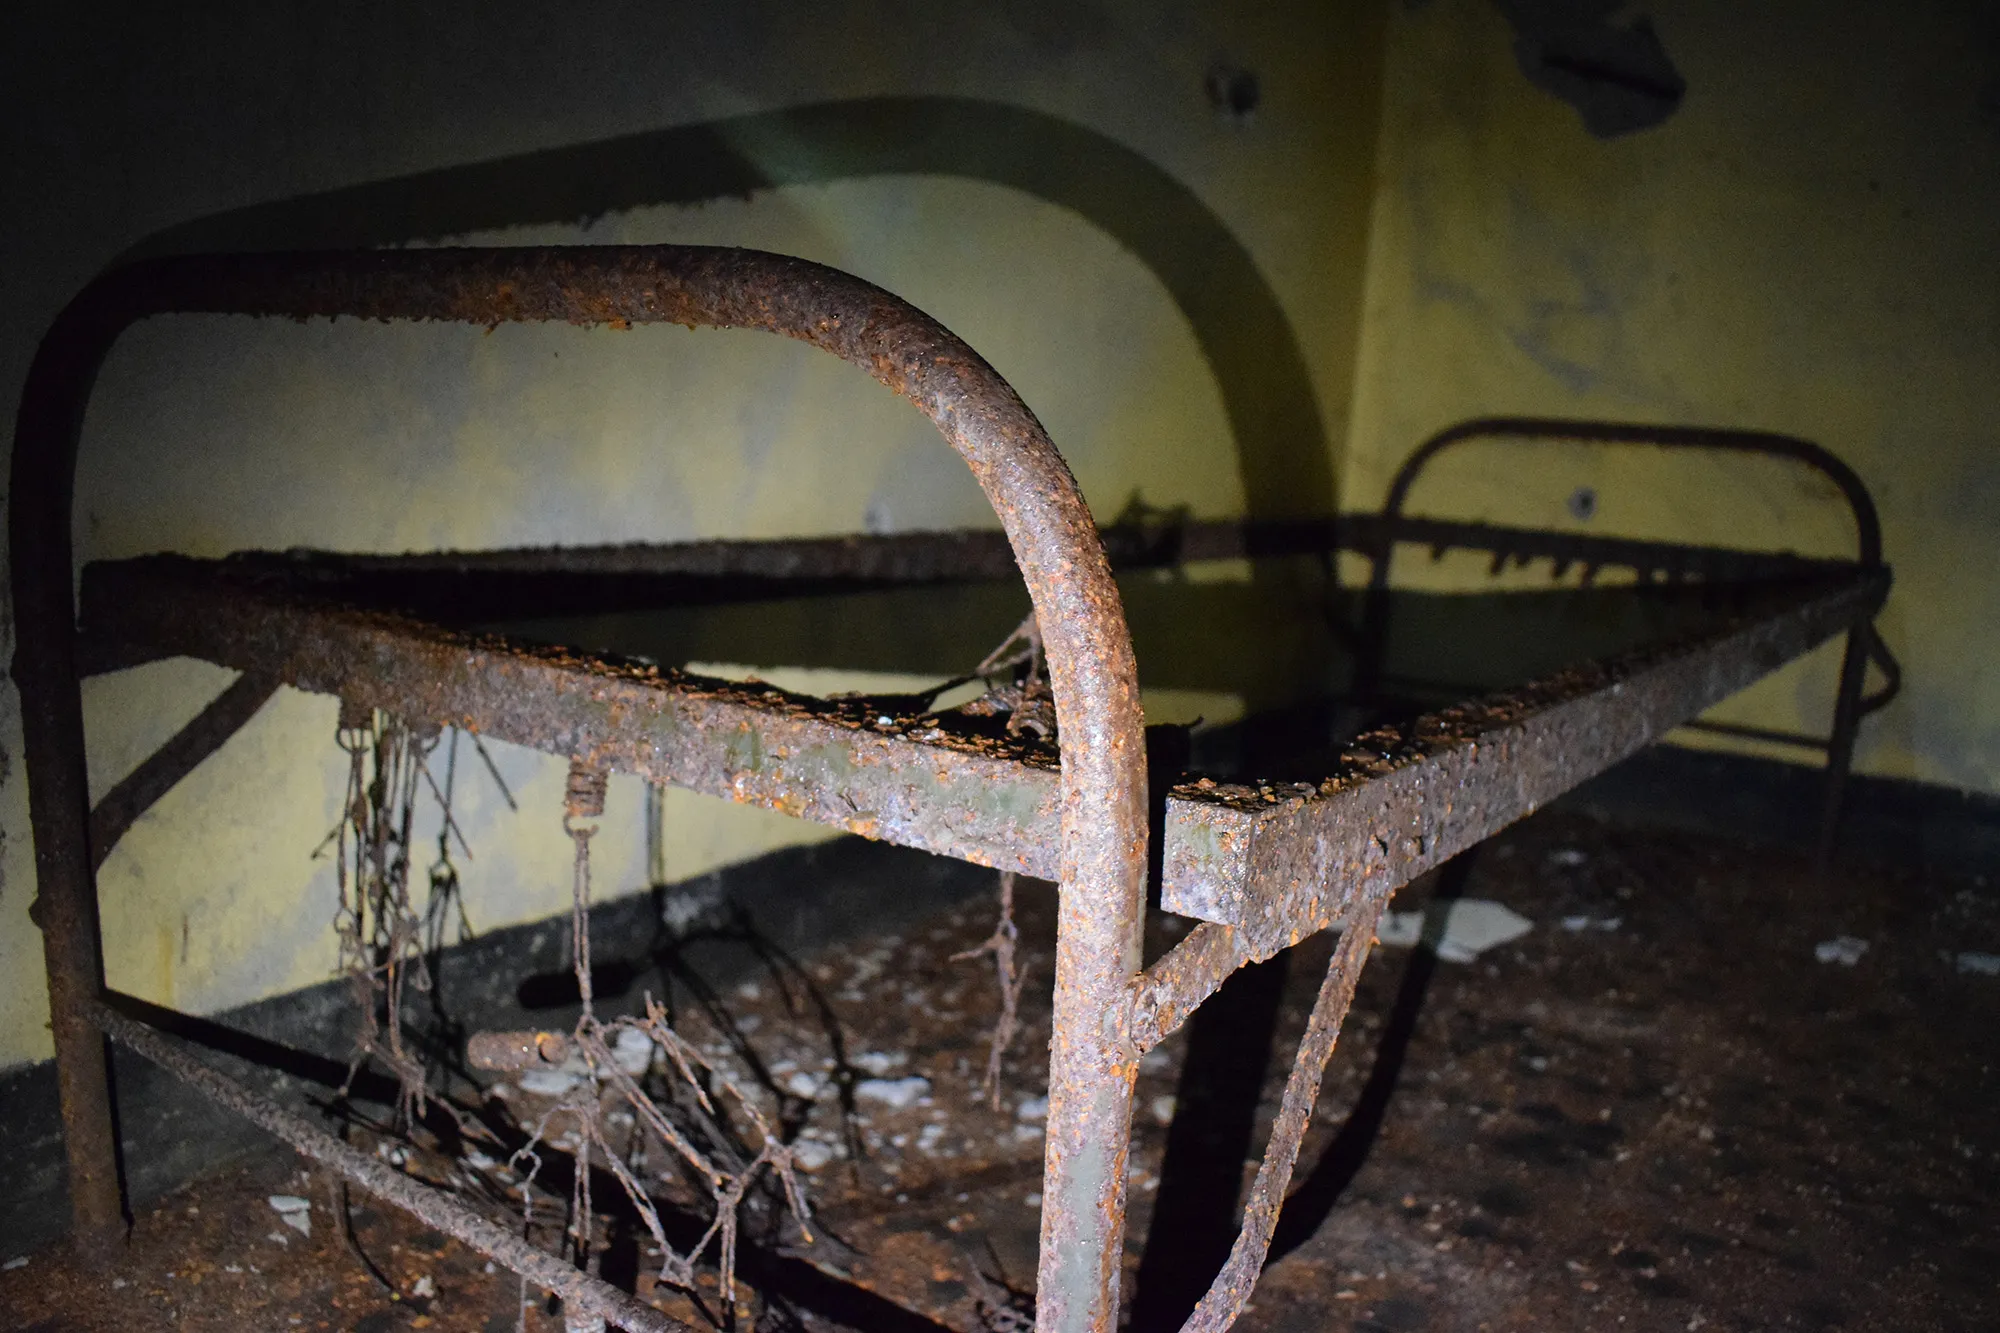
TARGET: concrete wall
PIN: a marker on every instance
(1173, 289)
(1806, 245)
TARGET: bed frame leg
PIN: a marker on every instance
(1840, 746)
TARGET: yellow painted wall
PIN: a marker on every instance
(1810, 245)
(1124, 329)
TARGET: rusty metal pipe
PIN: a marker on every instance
(1867, 524)
(1048, 526)
(1231, 1289)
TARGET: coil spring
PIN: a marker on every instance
(583, 795)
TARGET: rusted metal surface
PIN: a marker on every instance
(515, 1051)
(1415, 797)
(920, 780)
(579, 1291)
(1226, 1296)
(1089, 651)
(924, 780)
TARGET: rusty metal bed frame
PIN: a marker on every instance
(1260, 865)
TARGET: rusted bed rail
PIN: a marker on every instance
(1268, 856)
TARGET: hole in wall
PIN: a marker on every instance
(1233, 92)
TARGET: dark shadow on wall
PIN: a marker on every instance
(1236, 318)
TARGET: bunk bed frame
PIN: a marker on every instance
(1260, 865)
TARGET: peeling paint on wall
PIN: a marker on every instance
(1600, 57)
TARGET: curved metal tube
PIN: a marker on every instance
(1867, 525)
(1055, 542)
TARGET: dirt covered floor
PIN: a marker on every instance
(1666, 1106)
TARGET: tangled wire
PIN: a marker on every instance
(384, 942)
(382, 939)
(1002, 945)
(615, 1056)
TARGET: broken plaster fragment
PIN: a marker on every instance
(632, 1051)
(1471, 927)
(892, 1092)
(547, 1082)
(811, 1155)
(294, 1212)
(879, 1063)
(1845, 950)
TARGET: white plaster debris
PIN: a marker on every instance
(632, 1052)
(928, 1139)
(892, 1092)
(811, 1155)
(423, 1288)
(1163, 1110)
(802, 1084)
(879, 1063)
(1582, 923)
(547, 1082)
(1471, 927)
(868, 967)
(686, 907)
(1154, 1061)
(1845, 950)
(1569, 858)
(294, 1212)
(1979, 964)
(1032, 1108)
(279, 1237)
(19, 1261)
